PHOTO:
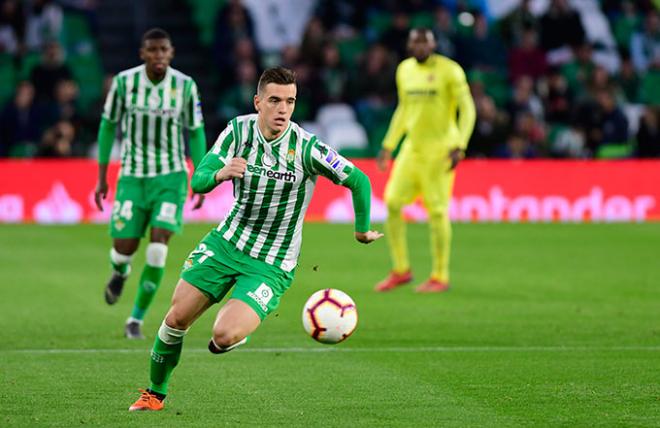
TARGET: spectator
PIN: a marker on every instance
(12, 27)
(374, 85)
(333, 77)
(628, 80)
(490, 130)
(625, 24)
(517, 22)
(524, 99)
(561, 26)
(342, 17)
(239, 98)
(516, 147)
(290, 56)
(395, 38)
(648, 135)
(20, 123)
(645, 45)
(57, 141)
(532, 129)
(578, 71)
(44, 24)
(233, 23)
(52, 69)
(64, 106)
(444, 32)
(482, 50)
(603, 121)
(558, 98)
(527, 59)
(313, 41)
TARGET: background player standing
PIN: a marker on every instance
(431, 88)
(273, 164)
(153, 102)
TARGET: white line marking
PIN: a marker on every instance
(422, 349)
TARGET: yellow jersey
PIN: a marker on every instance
(430, 93)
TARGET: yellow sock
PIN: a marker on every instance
(395, 231)
(440, 246)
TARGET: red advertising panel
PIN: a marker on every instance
(44, 191)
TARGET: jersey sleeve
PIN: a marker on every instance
(192, 108)
(203, 179)
(466, 110)
(114, 101)
(397, 128)
(321, 159)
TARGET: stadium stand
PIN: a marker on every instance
(344, 54)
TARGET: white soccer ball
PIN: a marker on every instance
(329, 316)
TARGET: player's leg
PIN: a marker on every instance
(165, 197)
(437, 189)
(401, 189)
(127, 225)
(257, 293)
(234, 323)
(188, 303)
(150, 279)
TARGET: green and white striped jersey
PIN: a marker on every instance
(271, 199)
(152, 119)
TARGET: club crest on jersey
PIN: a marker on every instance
(291, 156)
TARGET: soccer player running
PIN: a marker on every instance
(273, 164)
(430, 88)
(153, 102)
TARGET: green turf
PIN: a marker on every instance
(546, 325)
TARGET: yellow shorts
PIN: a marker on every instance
(413, 176)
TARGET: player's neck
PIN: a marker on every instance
(155, 78)
(268, 133)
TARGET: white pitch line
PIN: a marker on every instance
(420, 349)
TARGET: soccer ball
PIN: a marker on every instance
(329, 316)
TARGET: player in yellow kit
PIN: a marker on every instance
(431, 89)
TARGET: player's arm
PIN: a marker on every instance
(466, 114)
(218, 165)
(319, 159)
(397, 126)
(194, 121)
(112, 111)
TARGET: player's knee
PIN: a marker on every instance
(125, 247)
(171, 335)
(438, 213)
(156, 254)
(176, 320)
(224, 338)
(394, 205)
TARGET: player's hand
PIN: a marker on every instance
(383, 159)
(100, 194)
(368, 237)
(200, 200)
(234, 169)
(456, 156)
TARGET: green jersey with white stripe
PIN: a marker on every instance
(152, 117)
(271, 199)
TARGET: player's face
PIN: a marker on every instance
(421, 44)
(275, 106)
(157, 55)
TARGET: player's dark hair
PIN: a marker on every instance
(277, 75)
(155, 34)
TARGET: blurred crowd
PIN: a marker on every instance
(541, 86)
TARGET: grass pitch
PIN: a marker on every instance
(546, 325)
